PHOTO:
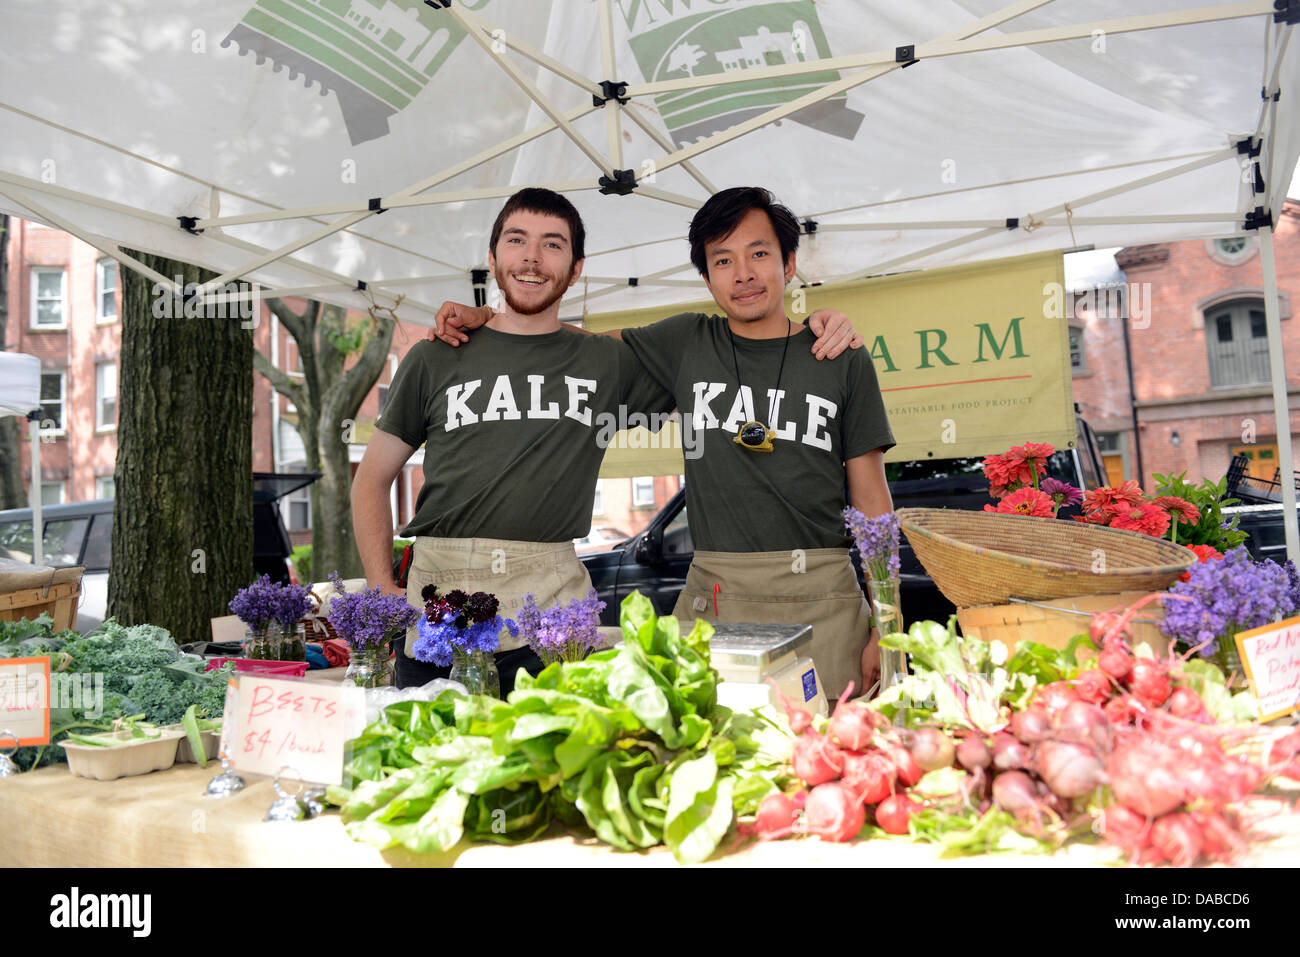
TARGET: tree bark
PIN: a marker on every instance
(183, 516)
(327, 400)
(12, 430)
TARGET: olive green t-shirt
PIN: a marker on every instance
(515, 428)
(824, 412)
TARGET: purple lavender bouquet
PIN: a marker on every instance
(562, 633)
(877, 541)
(455, 622)
(1227, 595)
(294, 602)
(368, 618)
(258, 604)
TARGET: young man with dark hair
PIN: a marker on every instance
(510, 436)
(781, 437)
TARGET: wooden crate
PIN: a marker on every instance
(1055, 622)
(60, 600)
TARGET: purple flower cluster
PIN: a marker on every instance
(368, 618)
(562, 633)
(1227, 594)
(295, 601)
(258, 604)
(1062, 493)
(457, 622)
(877, 540)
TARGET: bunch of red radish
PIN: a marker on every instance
(860, 765)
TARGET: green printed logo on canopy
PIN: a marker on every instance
(671, 41)
(374, 56)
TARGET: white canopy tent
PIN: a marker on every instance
(20, 394)
(357, 150)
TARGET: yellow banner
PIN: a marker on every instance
(971, 359)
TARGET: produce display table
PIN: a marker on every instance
(163, 819)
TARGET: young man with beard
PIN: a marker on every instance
(782, 437)
(511, 452)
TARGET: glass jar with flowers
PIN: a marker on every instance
(877, 541)
(462, 631)
(366, 620)
(294, 603)
(257, 606)
(561, 632)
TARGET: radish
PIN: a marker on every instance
(931, 749)
(1031, 725)
(869, 775)
(1149, 680)
(973, 754)
(777, 815)
(1125, 827)
(816, 760)
(893, 813)
(1115, 663)
(1186, 703)
(1104, 624)
(1093, 686)
(1086, 722)
(1071, 770)
(1055, 696)
(1013, 791)
(833, 813)
(1008, 753)
(1118, 711)
(852, 725)
(1144, 775)
(799, 719)
(909, 772)
(1220, 840)
(1178, 838)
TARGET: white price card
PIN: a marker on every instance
(1271, 656)
(25, 700)
(288, 721)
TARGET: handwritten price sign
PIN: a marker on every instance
(25, 700)
(1271, 656)
(293, 722)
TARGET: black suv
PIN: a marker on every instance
(655, 561)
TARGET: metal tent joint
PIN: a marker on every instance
(610, 90)
(478, 277)
(905, 55)
(624, 182)
(438, 4)
(1013, 222)
(188, 223)
(809, 226)
(1259, 178)
(376, 206)
(1258, 218)
(633, 281)
(1287, 11)
(1249, 146)
(361, 285)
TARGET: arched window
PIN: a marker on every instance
(1237, 342)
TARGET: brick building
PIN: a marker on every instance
(64, 307)
(1171, 357)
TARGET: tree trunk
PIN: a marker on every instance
(12, 428)
(183, 517)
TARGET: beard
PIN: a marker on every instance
(524, 309)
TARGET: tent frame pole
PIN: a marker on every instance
(34, 493)
(613, 108)
(1281, 407)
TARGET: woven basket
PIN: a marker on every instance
(984, 558)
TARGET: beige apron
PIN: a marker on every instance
(510, 570)
(814, 586)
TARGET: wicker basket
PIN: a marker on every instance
(984, 558)
(1054, 624)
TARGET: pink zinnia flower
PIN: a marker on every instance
(1204, 553)
(1146, 517)
(1183, 509)
(1025, 501)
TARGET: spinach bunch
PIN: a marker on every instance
(630, 742)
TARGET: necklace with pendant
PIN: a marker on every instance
(756, 436)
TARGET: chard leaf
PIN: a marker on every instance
(699, 810)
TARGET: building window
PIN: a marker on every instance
(53, 388)
(52, 493)
(1237, 343)
(105, 487)
(1077, 363)
(297, 507)
(106, 396)
(49, 288)
(598, 506)
(643, 491)
(383, 398)
(106, 290)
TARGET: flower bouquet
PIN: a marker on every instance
(257, 606)
(365, 621)
(562, 633)
(294, 602)
(877, 541)
(462, 631)
(1014, 479)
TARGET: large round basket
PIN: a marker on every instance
(983, 558)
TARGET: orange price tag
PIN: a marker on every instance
(1271, 657)
(25, 700)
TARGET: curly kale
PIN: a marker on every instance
(123, 654)
(164, 700)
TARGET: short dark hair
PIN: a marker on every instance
(549, 203)
(721, 214)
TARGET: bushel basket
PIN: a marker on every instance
(983, 558)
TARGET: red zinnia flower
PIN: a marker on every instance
(1185, 510)
(1146, 517)
(1026, 501)
(1104, 498)
(1204, 553)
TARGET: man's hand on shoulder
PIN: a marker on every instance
(455, 319)
(834, 333)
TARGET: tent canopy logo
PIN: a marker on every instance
(671, 41)
(375, 55)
